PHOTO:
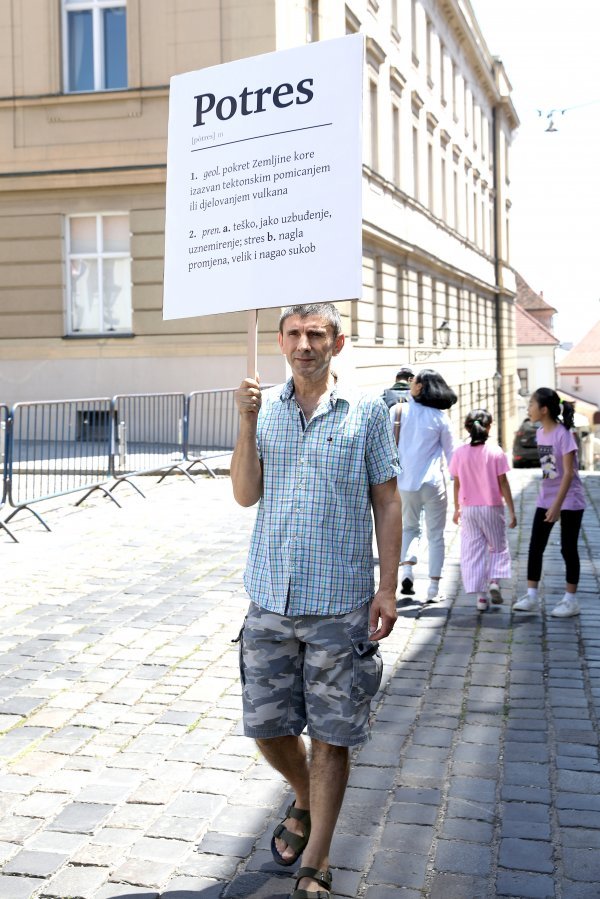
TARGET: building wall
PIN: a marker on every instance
(585, 384)
(437, 113)
(539, 364)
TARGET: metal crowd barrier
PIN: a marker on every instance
(5, 421)
(56, 448)
(148, 435)
(52, 448)
(213, 426)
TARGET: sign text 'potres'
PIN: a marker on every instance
(251, 101)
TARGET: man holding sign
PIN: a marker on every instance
(318, 458)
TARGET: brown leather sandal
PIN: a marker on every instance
(295, 841)
(323, 878)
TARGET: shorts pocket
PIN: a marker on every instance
(240, 641)
(367, 666)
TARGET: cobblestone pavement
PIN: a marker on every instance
(124, 772)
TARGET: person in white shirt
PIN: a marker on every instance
(423, 434)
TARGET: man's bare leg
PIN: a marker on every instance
(319, 788)
(329, 770)
(288, 756)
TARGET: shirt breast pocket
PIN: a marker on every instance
(344, 456)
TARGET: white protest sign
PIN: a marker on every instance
(264, 181)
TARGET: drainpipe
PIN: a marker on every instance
(497, 298)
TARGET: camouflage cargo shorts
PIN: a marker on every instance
(308, 671)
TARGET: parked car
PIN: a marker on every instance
(525, 451)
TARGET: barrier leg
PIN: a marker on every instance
(176, 468)
(126, 481)
(8, 531)
(202, 462)
(104, 491)
(28, 509)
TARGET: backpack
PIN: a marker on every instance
(392, 396)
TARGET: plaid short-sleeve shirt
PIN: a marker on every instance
(311, 551)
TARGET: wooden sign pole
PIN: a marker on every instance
(252, 356)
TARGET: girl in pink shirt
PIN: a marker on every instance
(480, 484)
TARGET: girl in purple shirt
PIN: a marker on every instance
(561, 496)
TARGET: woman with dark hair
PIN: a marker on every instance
(561, 496)
(480, 484)
(423, 435)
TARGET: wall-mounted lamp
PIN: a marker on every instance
(444, 331)
(442, 338)
(496, 380)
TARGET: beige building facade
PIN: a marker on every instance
(83, 123)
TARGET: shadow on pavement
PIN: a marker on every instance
(248, 885)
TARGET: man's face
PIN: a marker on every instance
(309, 345)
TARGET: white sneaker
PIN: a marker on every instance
(482, 604)
(433, 593)
(566, 608)
(527, 604)
(496, 594)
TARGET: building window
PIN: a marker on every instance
(455, 201)
(396, 144)
(98, 274)
(484, 234)
(415, 142)
(484, 136)
(429, 52)
(374, 126)
(378, 300)
(312, 21)
(401, 300)
(95, 45)
(442, 73)
(454, 92)
(430, 178)
(523, 376)
(414, 32)
(444, 191)
(434, 312)
(478, 332)
(354, 320)
(420, 309)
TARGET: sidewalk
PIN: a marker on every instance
(124, 772)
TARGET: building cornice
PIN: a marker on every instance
(93, 177)
(134, 93)
(375, 54)
(461, 19)
(397, 80)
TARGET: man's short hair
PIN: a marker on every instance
(405, 374)
(326, 310)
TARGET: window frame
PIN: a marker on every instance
(523, 376)
(373, 122)
(313, 16)
(396, 139)
(96, 7)
(100, 255)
